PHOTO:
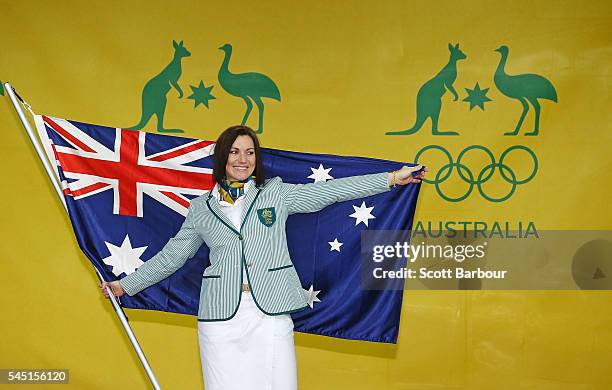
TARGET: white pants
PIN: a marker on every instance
(251, 351)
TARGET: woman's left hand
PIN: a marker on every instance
(404, 175)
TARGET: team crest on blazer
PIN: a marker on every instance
(267, 216)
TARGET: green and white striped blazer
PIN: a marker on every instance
(260, 245)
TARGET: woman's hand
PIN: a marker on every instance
(404, 175)
(115, 288)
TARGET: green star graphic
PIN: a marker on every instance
(201, 94)
(477, 97)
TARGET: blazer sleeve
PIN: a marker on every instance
(311, 197)
(173, 255)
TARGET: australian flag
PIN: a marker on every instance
(128, 192)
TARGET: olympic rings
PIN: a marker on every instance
(483, 176)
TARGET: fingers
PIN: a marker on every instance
(416, 179)
(413, 169)
(416, 168)
(421, 174)
(103, 286)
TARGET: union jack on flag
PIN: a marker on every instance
(128, 165)
(127, 193)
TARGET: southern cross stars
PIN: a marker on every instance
(124, 258)
(201, 94)
(362, 214)
(320, 174)
(311, 295)
(477, 97)
(335, 245)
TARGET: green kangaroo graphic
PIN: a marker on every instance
(524, 88)
(247, 86)
(155, 91)
(1, 88)
(429, 97)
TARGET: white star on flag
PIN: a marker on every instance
(335, 245)
(311, 295)
(320, 174)
(362, 214)
(124, 258)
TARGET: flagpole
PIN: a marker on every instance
(56, 185)
(24, 121)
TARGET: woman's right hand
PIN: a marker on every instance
(115, 288)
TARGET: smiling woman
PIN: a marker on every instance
(237, 156)
(245, 329)
(241, 160)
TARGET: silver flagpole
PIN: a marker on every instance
(56, 185)
(37, 147)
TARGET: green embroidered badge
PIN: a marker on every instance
(267, 216)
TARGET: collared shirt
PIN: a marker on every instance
(233, 211)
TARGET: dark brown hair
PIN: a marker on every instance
(224, 145)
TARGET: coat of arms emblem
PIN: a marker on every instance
(267, 216)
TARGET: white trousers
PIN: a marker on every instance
(251, 351)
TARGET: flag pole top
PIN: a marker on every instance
(8, 86)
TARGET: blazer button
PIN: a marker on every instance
(250, 264)
(240, 237)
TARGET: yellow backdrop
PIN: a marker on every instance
(348, 72)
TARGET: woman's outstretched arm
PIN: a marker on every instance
(311, 197)
(173, 255)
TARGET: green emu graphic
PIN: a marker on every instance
(248, 86)
(155, 91)
(429, 97)
(525, 88)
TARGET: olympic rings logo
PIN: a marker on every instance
(483, 176)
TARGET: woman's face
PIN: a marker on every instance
(241, 159)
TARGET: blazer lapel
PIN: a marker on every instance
(213, 205)
(249, 200)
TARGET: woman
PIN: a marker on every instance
(245, 329)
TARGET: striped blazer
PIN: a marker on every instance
(259, 246)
